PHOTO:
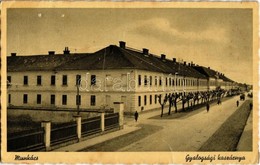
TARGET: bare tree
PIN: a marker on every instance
(162, 102)
(172, 98)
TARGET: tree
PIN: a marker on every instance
(176, 97)
(172, 98)
(171, 101)
(162, 102)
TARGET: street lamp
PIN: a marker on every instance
(183, 83)
(175, 81)
(77, 84)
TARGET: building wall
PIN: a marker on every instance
(114, 87)
(110, 86)
(212, 83)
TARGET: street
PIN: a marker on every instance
(184, 133)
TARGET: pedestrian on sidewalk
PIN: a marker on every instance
(207, 106)
(237, 103)
(136, 116)
(251, 106)
(219, 101)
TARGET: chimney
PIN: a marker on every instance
(145, 51)
(122, 44)
(184, 63)
(13, 54)
(163, 56)
(51, 52)
(174, 59)
(66, 50)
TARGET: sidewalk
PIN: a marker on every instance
(96, 140)
(246, 139)
(129, 126)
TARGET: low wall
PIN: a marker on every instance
(55, 116)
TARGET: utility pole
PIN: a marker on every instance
(77, 84)
(77, 99)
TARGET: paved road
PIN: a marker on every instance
(185, 133)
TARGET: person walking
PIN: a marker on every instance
(237, 103)
(251, 106)
(218, 101)
(207, 106)
(136, 116)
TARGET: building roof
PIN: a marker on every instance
(211, 73)
(224, 78)
(40, 62)
(110, 57)
(206, 71)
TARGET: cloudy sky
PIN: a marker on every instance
(219, 38)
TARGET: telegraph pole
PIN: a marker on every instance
(77, 83)
(78, 97)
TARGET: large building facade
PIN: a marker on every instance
(96, 80)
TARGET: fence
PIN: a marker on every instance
(45, 137)
(65, 132)
(26, 140)
(111, 121)
(91, 126)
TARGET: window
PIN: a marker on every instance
(64, 99)
(173, 82)
(92, 100)
(151, 79)
(93, 79)
(166, 81)
(53, 99)
(64, 80)
(160, 81)
(9, 98)
(139, 80)
(25, 80)
(53, 80)
(25, 98)
(9, 79)
(170, 82)
(155, 99)
(145, 80)
(39, 80)
(151, 99)
(39, 99)
(78, 100)
(155, 79)
(139, 101)
(144, 99)
(109, 80)
(78, 79)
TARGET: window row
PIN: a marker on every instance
(53, 80)
(158, 80)
(145, 99)
(53, 99)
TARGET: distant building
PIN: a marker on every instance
(215, 79)
(112, 74)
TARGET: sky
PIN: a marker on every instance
(221, 39)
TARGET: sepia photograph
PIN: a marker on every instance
(144, 83)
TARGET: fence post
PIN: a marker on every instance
(119, 108)
(47, 134)
(102, 121)
(78, 121)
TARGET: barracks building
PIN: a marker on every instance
(96, 80)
